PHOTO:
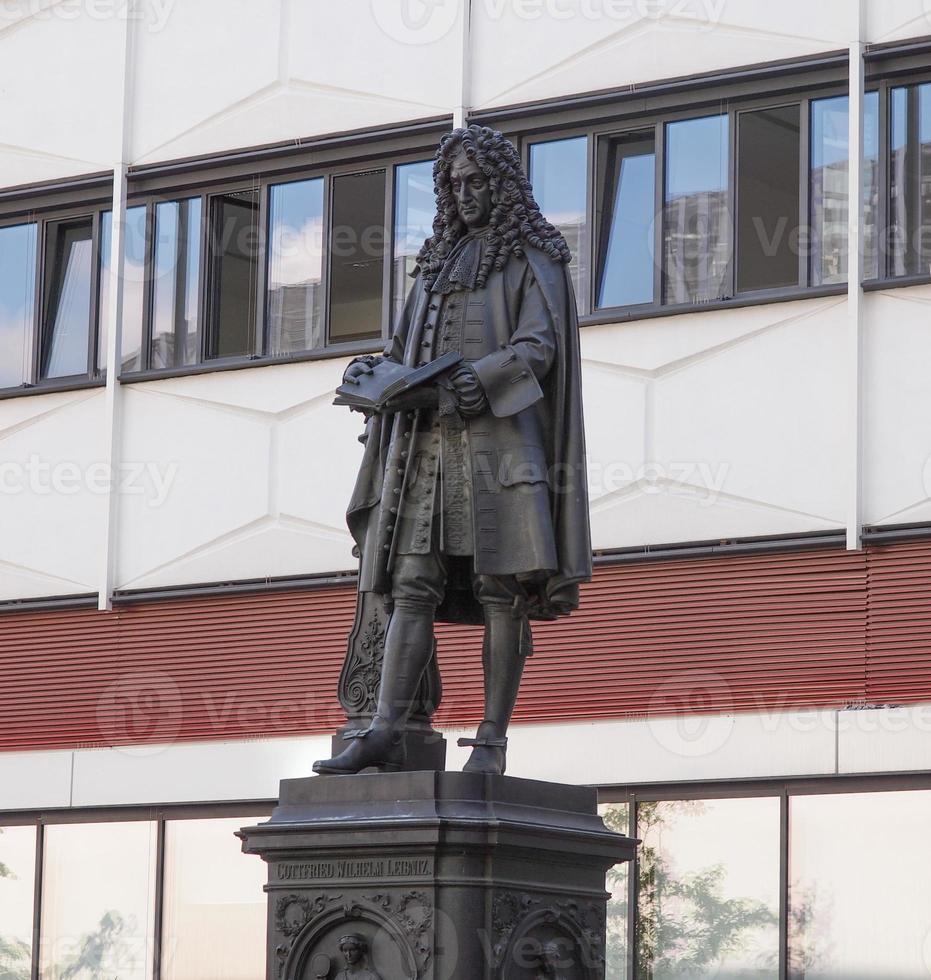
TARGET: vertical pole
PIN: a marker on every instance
(114, 321)
(461, 112)
(854, 340)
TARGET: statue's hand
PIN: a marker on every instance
(423, 396)
(358, 367)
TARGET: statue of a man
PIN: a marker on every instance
(355, 952)
(471, 503)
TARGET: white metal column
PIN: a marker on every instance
(465, 67)
(853, 352)
(113, 315)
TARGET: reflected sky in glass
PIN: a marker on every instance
(17, 890)
(617, 818)
(177, 280)
(98, 901)
(295, 267)
(558, 171)
(414, 210)
(17, 301)
(859, 898)
(215, 909)
(709, 889)
(910, 170)
(133, 287)
(627, 275)
(69, 259)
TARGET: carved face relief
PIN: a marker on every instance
(471, 191)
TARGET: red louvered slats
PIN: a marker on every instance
(761, 632)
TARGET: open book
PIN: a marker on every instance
(389, 379)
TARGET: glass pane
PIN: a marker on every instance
(696, 227)
(98, 898)
(295, 267)
(859, 902)
(214, 907)
(414, 209)
(616, 818)
(133, 288)
(235, 249)
(17, 892)
(357, 256)
(910, 177)
(66, 331)
(176, 289)
(558, 172)
(768, 155)
(17, 302)
(830, 156)
(709, 889)
(627, 262)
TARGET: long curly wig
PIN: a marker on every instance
(515, 215)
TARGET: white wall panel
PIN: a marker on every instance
(53, 479)
(59, 90)
(257, 467)
(897, 406)
(224, 74)
(570, 46)
(896, 20)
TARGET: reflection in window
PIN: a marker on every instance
(627, 250)
(98, 895)
(696, 226)
(295, 267)
(708, 888)
(17, 886)
(768, 153)
(414, 209)
(558, 174)
(859, 902)
(234, 267)
(214, 907)
(133, 288)
(910, 177)
(616, 818)
(357, 256)
(17, 302)
(176, 272)
(66, 326)
(830, 155)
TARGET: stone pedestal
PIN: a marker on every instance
(438, 875)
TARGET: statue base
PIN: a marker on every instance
(439, 875)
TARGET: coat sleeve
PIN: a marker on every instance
(394, 350)
(511, 376)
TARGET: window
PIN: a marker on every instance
(17, 888)
(617, 818)
(176, 284)
(17, 302)
(357, 257)
(294, 311)
(98, 901)
(212, 890)
(910, 181)
(414, 209)
(234, 252)
(830, 156)
(768, 186)
(134, 239)
(65, 344)
(558, 171)
(628, 163)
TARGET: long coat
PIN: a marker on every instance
(527, 451)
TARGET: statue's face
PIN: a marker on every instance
(471, 191)
(352, 953)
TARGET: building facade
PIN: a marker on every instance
(206, 209)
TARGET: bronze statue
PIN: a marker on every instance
(471, 503)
